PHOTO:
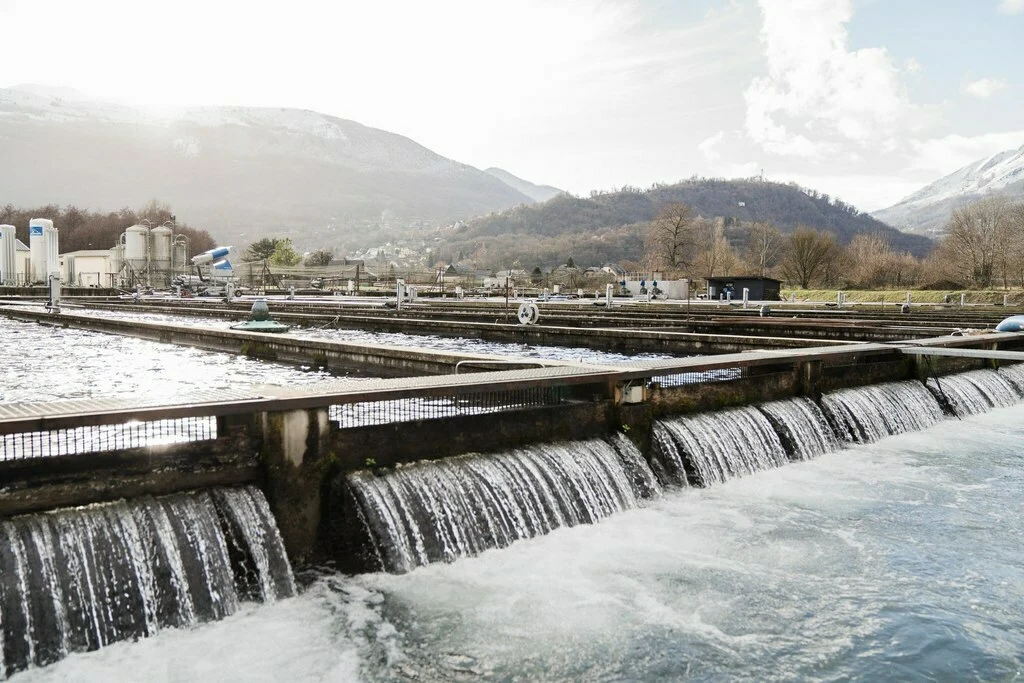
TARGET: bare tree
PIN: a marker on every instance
(976, 240)
(1015, 246)
(715, 256)
(763, 248)
(808, 255)
(866, 261)
(670, 237)
(156, 212)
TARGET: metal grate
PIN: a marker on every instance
(414, 409)
(699, 377)
(96, 438)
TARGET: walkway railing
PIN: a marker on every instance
(69, 427)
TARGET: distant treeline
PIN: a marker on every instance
(983, 247)
(83, 229)
(553, 227)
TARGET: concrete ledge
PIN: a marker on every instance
(37, 484)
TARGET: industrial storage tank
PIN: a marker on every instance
(8, 255)
(117, 263)
(179, 255)
(42, 243)
(160, 255)
(136, 248)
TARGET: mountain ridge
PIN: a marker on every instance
(241, 172)
(741, 200)
(611, 226)
(927, 210)
(539, 193)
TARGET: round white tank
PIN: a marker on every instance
(136, 247)
(42, 243)
(116, 260)
(160, 253)
(179, 256)
(8, 255)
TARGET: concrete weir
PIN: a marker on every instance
(300, 445)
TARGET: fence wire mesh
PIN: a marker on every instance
(685, 378)
(98, 438)
(437, 407)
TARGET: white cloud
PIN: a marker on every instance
(819, 96)
(708, 146)
(985, 87)
(1011, 6)
(941, 156)
(912, 66)
(868, 191)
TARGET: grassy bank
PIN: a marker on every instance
(917, 296)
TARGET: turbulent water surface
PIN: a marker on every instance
(902, 559)
(425, 341)
(44, 363)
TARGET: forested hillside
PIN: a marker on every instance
(609, 226)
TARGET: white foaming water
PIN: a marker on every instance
(83, 578)
(458, 507)
(425, 341)
(47, 363)
(900, 559)
(971, 393)
(802, 426)
(726, 444)
(866, 414)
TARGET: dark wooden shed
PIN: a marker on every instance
(760, 288)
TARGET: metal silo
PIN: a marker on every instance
(116, 264)
(136, 248)
(179, 254)
(160, 255)
(42, 243)
(8, 255)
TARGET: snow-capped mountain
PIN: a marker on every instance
(927, 210)
(240, 172)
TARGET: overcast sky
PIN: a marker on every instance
(865, 99)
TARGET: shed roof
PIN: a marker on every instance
(734, 278)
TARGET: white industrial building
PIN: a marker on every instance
(87, 268)
(22, 261)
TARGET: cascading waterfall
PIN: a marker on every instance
(442, 510)
(978, 391)
(722, 445)
(866, 414)
(78, 579)
(802, 427)
(1014, 374)
(447, 509)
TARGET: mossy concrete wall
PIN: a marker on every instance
(43, 483)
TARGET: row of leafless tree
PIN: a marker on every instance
(84, 229)
(983, 247)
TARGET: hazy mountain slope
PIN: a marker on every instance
(239, 172)
(786, 206)
(927, 210)
(540, 193)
